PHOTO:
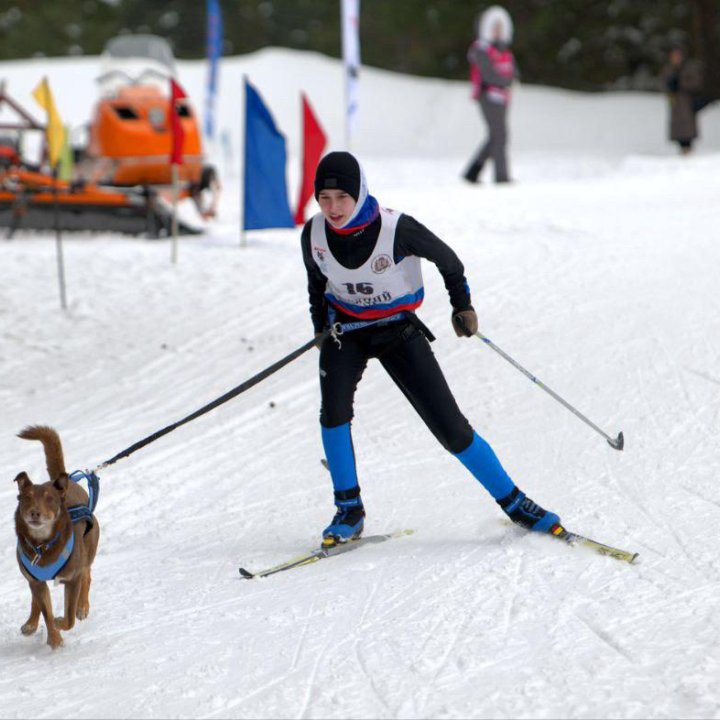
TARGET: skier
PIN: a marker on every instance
(492, 70)
(364, 284)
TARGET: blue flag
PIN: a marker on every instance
(266, 199)
(214, 52)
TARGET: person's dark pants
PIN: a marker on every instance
(406, 355)
(495, 147)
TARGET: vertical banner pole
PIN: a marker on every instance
(176, 158)
(175, 194)
(58, 242)
(350, 22)
(214, 48)
(242, 156)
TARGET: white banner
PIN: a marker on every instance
(350, 22)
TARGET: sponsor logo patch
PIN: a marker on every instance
(380, 264)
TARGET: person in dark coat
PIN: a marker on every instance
(364, 285)
(682, 81)
(492, 71)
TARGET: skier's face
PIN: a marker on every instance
(337, 206)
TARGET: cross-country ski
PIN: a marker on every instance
(321, 553)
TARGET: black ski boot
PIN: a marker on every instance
(523, 511)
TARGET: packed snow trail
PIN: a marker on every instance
(602, 282)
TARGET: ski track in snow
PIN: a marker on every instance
(602, 283)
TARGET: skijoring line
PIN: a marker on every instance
(254, 380)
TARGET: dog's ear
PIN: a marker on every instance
(22, 480)
(61, 484)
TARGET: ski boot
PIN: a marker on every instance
(349, 519)
(523, 511)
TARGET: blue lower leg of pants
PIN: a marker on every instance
(482, 462)
(340, 456)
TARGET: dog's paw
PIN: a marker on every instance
(28, 628)
(62, 624)
(55, 640)
(82, 612)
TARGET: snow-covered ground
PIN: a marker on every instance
(597, 271)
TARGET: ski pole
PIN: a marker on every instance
(616, 443)
(254, 380)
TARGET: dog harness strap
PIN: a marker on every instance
(38, 549)
(85, 512)
(43, 573)
(93, 489)
(80, 512)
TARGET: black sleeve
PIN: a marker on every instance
(316, 283)
(413, 238)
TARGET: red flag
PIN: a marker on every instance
(176, 130)
(314, 140)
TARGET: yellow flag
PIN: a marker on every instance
(55, 131)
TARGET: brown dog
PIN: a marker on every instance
(50, 545)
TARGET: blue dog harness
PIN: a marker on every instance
(43, 573)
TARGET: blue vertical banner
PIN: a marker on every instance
(266, 200)
(214, 53)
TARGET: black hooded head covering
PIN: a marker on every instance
(339, 171)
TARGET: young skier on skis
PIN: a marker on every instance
(364, 282)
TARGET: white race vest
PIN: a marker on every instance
(380, 287)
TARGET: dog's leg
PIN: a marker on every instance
(91, 543)
(72, 593)
(41, 597)
(83, 608)
(32, 622)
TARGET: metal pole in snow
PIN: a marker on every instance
(176, 191)
(350, 21)
(58, 242)
(242, 157)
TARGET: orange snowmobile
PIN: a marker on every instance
(122, 180)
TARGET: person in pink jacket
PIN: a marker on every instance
(492, 71)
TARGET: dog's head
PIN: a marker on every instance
(40, 506)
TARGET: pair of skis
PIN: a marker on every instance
(558, 531)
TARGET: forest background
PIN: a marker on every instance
(589, 45)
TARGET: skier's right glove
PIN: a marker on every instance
(465, 322)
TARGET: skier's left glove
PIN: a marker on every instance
(465, 322)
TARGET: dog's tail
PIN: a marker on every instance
(53, 448)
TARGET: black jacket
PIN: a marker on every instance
(352, 251)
